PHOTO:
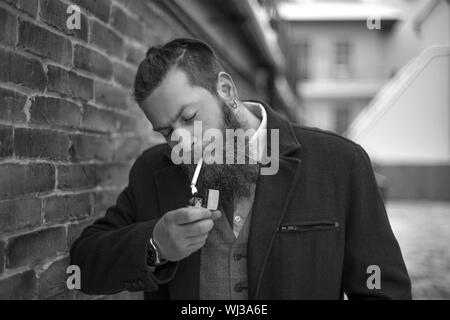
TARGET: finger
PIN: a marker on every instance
(190, 215)
(197, 228)
(198, 238)
(195, 246)
(216, 214)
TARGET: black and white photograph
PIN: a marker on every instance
(224, 152)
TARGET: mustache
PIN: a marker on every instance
(232, 181)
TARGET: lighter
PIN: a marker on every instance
(212, 197)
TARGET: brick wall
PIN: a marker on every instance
(69, 130)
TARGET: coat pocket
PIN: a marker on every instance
(306, 226)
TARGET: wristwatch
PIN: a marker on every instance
(153, 255)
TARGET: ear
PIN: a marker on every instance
(226, 88)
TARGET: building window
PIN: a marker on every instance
(303, 60)
(342, 118)
(343, 56)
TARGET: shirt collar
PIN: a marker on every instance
(260, 135)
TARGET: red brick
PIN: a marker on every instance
(100, 8)
(159, 31)
(6, 141)
(90, 148)
(52, 281)
(124, 75)
(126, 149)
(21, 70)
(110, 96)
(8, 28)
(67, 207)
(16, 179)
(2, 257)
(33, 247)
(74, 230)
(69, 83)
(44, 43)
(21, 286)
(130, 124)
(102, 120)
(126, 24)
(143, 10)
(78, 295)
(43, 144)
(134, 55)
(112, 175)
(104, 200)
(91, 61)
(20, 214)
(106, 39)
(28, 6)
(77, 177)
(55, 112)
(65, 295)
(12, 104)
(124, 295)
(54, 13)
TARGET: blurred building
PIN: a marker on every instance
(336, 61)
(241, 34)
(378, 72)
(406, 127)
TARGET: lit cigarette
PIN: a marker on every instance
(195, 177)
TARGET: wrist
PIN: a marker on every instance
(154, 256)
(157, 251)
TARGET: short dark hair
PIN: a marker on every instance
(193, 56)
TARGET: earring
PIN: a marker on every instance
(235, 104)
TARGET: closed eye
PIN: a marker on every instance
(189, 119)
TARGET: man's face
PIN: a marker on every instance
(176, 104)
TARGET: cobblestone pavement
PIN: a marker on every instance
(423, 232)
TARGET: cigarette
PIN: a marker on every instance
(195, 177)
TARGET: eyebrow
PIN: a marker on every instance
(178, 115)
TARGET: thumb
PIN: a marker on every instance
(216, 214)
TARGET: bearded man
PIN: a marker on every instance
(315, 229)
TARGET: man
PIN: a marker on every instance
(315, 229)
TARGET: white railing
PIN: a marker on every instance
(393, 90)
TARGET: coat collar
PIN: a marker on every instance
(288, 141)
(273, 193)
(272, 196)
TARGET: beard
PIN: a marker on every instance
(232, 180)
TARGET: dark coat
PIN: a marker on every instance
(318, 224)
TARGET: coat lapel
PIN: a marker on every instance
(273, 193)
(272, 196)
